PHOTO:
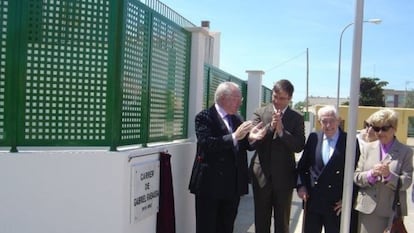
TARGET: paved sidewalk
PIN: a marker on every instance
(245, 218)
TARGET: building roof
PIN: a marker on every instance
(315, 100)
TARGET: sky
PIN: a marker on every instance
(273, 36)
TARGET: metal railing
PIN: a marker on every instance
(169, 13)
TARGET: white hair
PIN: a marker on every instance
(328, 110)
(223, 89)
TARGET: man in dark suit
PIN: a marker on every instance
(321, 174)
(222, 138)
(273, 166)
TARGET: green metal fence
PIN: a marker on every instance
(266, 95)
(165, 10)
(3, 41)
(91, 73)
(166, 92)
(96, 73)
(212, 78)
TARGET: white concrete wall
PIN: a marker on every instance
(254, 92)
(63, 192)
(84, 191)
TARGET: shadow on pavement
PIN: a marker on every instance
(245, 217)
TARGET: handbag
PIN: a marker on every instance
(197, 173)
(397, 225)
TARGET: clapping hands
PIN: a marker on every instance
(381, 169)
(243, 130)
(257, 132)
(276, 123)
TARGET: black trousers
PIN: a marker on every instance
(315, 221)
(216, 215)
(267, 201)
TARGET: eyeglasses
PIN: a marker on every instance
(366, 124)
(384, 128)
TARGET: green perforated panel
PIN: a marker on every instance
(206, 90)
(168, 81)
(266, 95)
(91, 73)
(3, 39)
(216, 77)
(134, 73)
(65, 86)
(213, 76)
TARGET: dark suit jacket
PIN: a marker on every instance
(323, 182)
(277, 156)
(226, 175)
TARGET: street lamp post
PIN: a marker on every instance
(376, 21)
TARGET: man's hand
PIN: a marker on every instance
(276, 123)
(243, 130)
(338, 207)
(303, 193)
(257, 132)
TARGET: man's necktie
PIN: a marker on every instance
(326, 150)
(229, 122)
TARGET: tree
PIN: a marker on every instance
(300, 106)
(371, 92)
